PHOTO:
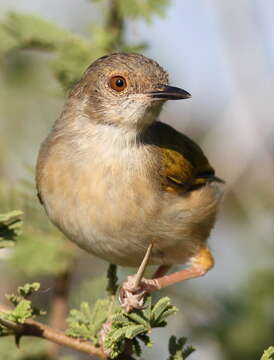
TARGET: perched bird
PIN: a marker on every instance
(123, 185)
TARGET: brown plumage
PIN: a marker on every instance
(114, 179)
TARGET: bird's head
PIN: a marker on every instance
(125, 90)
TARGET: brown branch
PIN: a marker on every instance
(115, 26)
(37, 329)
(59, 308)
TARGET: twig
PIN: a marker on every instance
(59, 308)
(115, 26)
(143, 266)
(37, 329)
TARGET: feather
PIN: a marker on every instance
(184, 167)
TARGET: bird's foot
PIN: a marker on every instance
(132, 295)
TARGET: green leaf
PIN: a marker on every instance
(136, 347)
(113, 342)
(80, 324)
(10, 227)
(100, 313)
(145, 9)
(117, 335)
(23, 292)
(33, 31)
(146, 340)
(160, 307)
(138, 317)
(166, 313)
(86, 323)
(177, 348)
(28, 289)
(161, 310)
(14, 299)
(23, 308)
(188, 350)
(73, 57)
(73, 53)
(134, 330)
(21, 313)
(112, 285)
(119, 320)
(136, 325)
(268, 354)
(147, 308)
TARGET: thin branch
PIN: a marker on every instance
(59, 307)
(37, 329)
(115, 26)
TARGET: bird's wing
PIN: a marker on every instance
(184, 166)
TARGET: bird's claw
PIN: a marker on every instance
(132, 296)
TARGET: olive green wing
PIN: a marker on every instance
(184, 166)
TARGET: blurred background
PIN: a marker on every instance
(223, 54)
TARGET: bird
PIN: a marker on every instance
(125, 186)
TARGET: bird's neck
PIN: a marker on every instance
(107, 143)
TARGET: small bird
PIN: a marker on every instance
(125, 186)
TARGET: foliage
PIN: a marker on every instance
(41, 249)
(10, 227)
(109, 325)
(142, 8)
(178, 350)
(268, 354)
(86, 323)
(73, 53)
(112, 285)
(137, 326)
(58, 253)
(23, 307)
(109, 322)
(105, 325)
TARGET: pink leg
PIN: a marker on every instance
(200, 264)
(161, 271)
(133, 292)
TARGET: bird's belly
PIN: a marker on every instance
(117, 220)
(115, 212)
(107, 214)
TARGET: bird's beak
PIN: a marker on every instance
(167, 92)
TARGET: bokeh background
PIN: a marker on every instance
(222, 52)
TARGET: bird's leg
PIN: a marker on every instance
(132, 292)
(161, 271)
(200, 264)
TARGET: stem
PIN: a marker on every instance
(115, 26)
(37, 329)
(59, 308)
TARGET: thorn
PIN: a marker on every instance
(143, 266)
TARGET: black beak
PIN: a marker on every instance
(169, 93)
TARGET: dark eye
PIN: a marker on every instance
(118, 83)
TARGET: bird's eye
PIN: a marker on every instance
(118, 83)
